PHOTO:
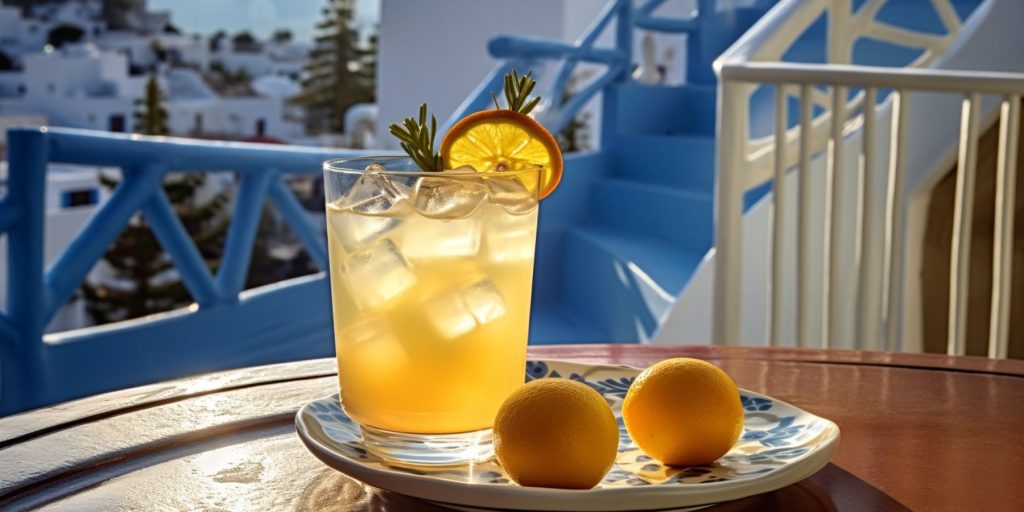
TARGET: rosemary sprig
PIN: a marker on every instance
(517, 92)
(417, 140)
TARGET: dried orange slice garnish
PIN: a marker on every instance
(497, 140)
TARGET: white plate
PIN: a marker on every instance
(780, 445)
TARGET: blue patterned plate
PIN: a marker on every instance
(780, 445)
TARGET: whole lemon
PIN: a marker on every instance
(683, 412)
(556, 433)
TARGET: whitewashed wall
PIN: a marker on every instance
(436, 50)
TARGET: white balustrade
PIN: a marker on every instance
(870, 313)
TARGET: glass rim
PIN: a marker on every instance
(339, 165)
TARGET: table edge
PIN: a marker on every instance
(32, 424)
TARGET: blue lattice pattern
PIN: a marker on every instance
(37, 371)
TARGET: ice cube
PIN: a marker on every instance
(366, 330)
(354, 230)
(375, 194)
(509, 238)
(484, 301)
(511, 194)
(377, 274)
(457, 311)
(438, 197)
(448, 313)
(425, 239)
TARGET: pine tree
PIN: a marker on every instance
(144, 282)
(150, 114)
(340, 72)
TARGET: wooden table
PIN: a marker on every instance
(923, 432)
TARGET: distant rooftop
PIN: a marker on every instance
(187, 84)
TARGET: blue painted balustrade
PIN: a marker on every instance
(226, 327)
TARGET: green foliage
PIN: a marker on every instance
(143, 279)
(417, 140)
(150, 114)
(517, 91)
(144, 282)
(340, 72)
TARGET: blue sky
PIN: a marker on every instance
(262, 17)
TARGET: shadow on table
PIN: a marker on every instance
(831, 489)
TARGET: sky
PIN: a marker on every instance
(261, 17)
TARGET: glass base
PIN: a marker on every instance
(429, 449)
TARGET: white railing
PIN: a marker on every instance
(744, 162)
(769, 39)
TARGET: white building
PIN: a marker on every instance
(82, 87)
(77, 86)
(144, 50)
(12, 84)
(272, 58)
(74, 21)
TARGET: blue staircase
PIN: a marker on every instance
(648, 216)
(648, 212)
(649, 219)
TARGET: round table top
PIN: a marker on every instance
(919, 432)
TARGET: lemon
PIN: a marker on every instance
(556, 433)
(495, 140)
(683, 412)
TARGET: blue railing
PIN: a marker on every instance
(36, 370)
(524, 53)
(709, 32)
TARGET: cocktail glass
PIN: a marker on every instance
(431, 275)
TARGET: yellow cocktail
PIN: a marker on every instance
(431, 277)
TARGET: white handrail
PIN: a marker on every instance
(936, 80)
(766, 42)
(774, 33)
(878, 263)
